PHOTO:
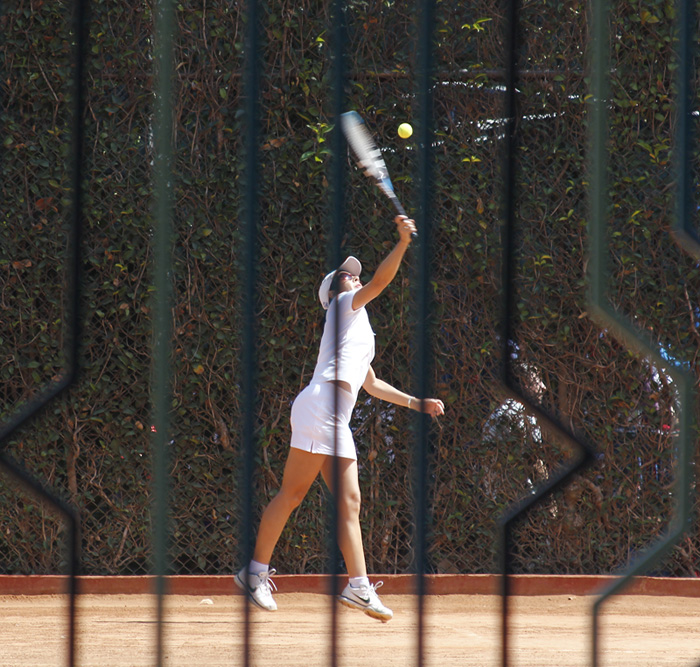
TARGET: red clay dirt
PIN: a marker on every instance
(547, 631)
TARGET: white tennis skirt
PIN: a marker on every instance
(314, 428)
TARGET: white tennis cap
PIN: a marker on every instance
(351, 265)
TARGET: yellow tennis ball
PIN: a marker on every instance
(405, 130)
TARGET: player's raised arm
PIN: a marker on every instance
(387, 269)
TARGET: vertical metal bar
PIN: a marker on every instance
(334, 251)
(162, 267)
(72, 322)
(508, 240)
(598, 124)
(684, 223)
(424, 224)
(603, 312)
(80, 30)
(508, 335)
(338, 73)
(598, 185)
(251, 116)
(73, 312)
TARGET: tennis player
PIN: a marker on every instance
(320, 429)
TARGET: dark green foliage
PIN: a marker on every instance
(93, 444)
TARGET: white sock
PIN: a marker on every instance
(255, 568)
(359, 582)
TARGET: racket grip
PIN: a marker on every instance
(397, 205)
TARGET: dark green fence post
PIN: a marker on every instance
(162, 309)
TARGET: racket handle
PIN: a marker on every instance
(400, 210)
(397, 205)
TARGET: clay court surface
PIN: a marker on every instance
(119, 630)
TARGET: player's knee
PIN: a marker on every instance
(292, 497)
(350, 504)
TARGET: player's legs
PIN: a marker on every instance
(348, 501)
(300, 471)
(359, 593)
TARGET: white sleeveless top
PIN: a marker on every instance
(355, 344)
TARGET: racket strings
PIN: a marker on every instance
(369, 157)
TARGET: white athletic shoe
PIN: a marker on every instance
(366, 599)
(261, 592)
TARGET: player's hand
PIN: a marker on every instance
(405, 226)
(431, 406)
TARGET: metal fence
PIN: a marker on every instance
(162, 242)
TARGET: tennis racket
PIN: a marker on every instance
(369, 157)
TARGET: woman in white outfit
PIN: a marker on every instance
(321, 430)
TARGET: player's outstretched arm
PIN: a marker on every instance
(386, 392)
(387, 269)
